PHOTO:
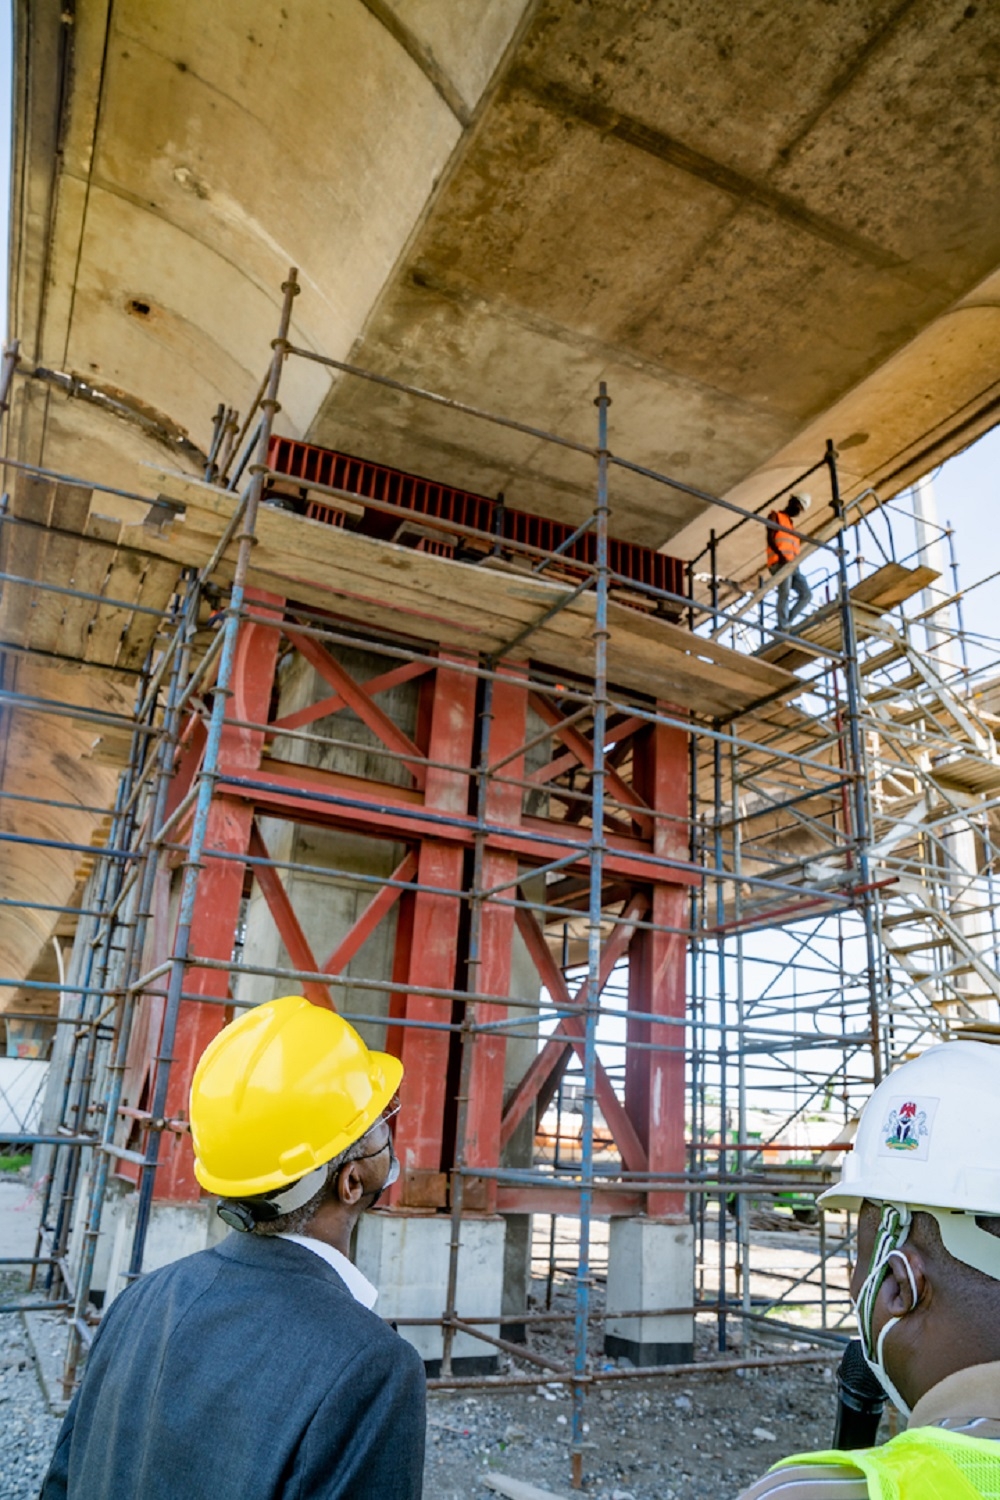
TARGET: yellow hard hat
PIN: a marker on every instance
(280, 1091)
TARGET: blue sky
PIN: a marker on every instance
(968, 495)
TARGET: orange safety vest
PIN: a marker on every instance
(782, 546)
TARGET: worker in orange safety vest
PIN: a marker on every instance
(783, 547)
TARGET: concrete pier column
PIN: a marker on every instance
(405, 1255)
(650, 1265)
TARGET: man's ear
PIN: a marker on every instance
(350, 1186)
(905, 1285)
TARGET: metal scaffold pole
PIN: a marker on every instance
(134, 925)
(468, 1034)
(856, 771)
(592, 992)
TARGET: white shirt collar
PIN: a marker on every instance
(358, 1285)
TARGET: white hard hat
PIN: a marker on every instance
(804, 499)
(928, 1138)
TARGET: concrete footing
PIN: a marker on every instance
(650, 1265)
(406, 1257)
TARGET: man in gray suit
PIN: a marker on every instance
(256, 1369)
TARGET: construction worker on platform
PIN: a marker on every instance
(783, 547)
(256, 1369)
(924, 1177)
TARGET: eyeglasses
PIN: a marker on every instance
(391, 1109)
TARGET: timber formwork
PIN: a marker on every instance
(712, 879)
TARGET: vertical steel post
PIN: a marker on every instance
(11, 355)
(857, 764)
(208, 773)
(600, 701)
(468, 1035)
(218, 427)
(693, 946)
(956, 590)
(720, 942)
(742, 1199)
(713, 548)
(69, 1114)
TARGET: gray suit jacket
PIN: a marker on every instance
(245, 1372)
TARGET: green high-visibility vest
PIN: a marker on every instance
(926, 1463)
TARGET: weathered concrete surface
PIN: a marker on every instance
(742, 219)
(762, 226)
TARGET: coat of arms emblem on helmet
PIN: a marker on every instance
(905, 1126)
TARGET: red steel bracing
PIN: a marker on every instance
(582, 751)
(302, 717)
(569, 1034)
(434, 821)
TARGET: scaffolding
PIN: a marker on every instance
(826, 864)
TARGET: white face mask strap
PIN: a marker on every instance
(894, 1226)
(893, 1229)
(877, 1366)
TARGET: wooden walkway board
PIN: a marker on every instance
(968, 773)
(432, 598)
(881, 591)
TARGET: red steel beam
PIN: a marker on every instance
(393, 812)
(427, 940)
(556, 1199)
(655, 1062)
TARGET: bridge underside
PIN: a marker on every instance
(761, 227)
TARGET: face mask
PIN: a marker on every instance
(894, 1226)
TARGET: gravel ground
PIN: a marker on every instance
(702, 1437)
(27, 1431)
